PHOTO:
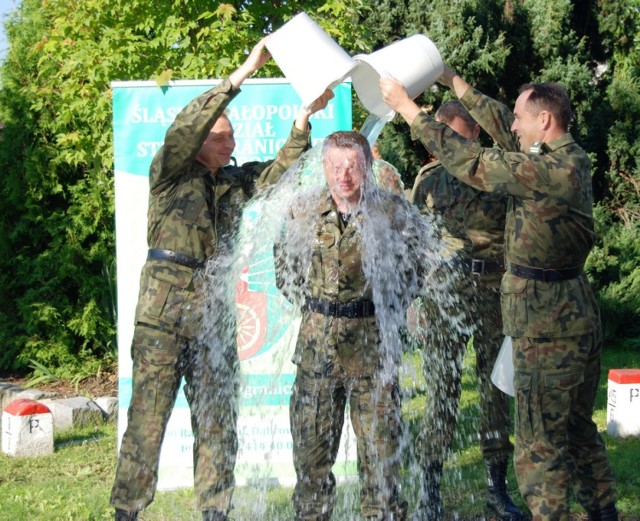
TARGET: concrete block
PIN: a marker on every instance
(109, 406)
(74, 412)
(7, 391)
(623, 402)
(10, 392)
(27, 428)
(35, 394)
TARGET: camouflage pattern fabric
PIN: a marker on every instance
(473, 226)
(338, 360)
(161, 359)
(387, 177)
(195, 213)
(556, 381)
(473, 221)
(549, 216)
(549, 225)
(317, 416)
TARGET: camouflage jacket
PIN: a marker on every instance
(473, 220)
(330, 345)
(549, 216)
(194, 212)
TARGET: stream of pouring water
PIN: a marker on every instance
(372, 128)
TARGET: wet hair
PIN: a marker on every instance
(552, 97)
(451, 109)
(352, 140)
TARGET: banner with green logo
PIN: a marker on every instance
(262, 116)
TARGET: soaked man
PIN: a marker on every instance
(346, 352)
(473, 226)
(195, 204)
(548, 306)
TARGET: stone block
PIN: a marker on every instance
(109, 406)
(27, 428)
(11, 392)
(74, 413)
(7, 392)
(623, 402)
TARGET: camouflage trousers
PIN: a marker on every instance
(442, 348)
(160, 360)
(557, 442)
(317, 410)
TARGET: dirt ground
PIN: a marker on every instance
(92, 387)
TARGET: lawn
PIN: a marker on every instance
(74, 482)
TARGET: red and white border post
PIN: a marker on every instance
(27, 428)
(623, 407)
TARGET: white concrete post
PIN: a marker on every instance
(27, 428)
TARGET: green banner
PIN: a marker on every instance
(262, 116)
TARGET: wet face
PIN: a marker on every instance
(344, 171)
(527, 125)
(217, 149)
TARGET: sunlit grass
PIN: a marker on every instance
(74, 483)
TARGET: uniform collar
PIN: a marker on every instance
(562, 141)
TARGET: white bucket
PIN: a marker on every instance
(309, 58)
(502, 374)
(415, 62)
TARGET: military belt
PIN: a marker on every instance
(353, 309)
(482, 266)
(544, 274)
(174, 256)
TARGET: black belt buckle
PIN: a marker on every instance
(551, 275)
(350, 310)
(478, 266)
(548, 275)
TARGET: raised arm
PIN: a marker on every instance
(494, 117)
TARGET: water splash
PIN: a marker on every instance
(397, 266)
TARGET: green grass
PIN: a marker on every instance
(74, 483)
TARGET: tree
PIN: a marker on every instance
(57, 294)
(616, 126)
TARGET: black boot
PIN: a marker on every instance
(123, 515)
(430, 507)
(608, 513)
(498, 499)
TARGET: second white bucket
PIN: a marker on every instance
(414, 61)
(502, 373)
(309, 58)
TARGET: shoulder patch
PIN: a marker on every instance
(539, 148)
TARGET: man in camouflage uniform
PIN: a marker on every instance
(548, 306)
(340, 355)
(473, 227)
(195, 206)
